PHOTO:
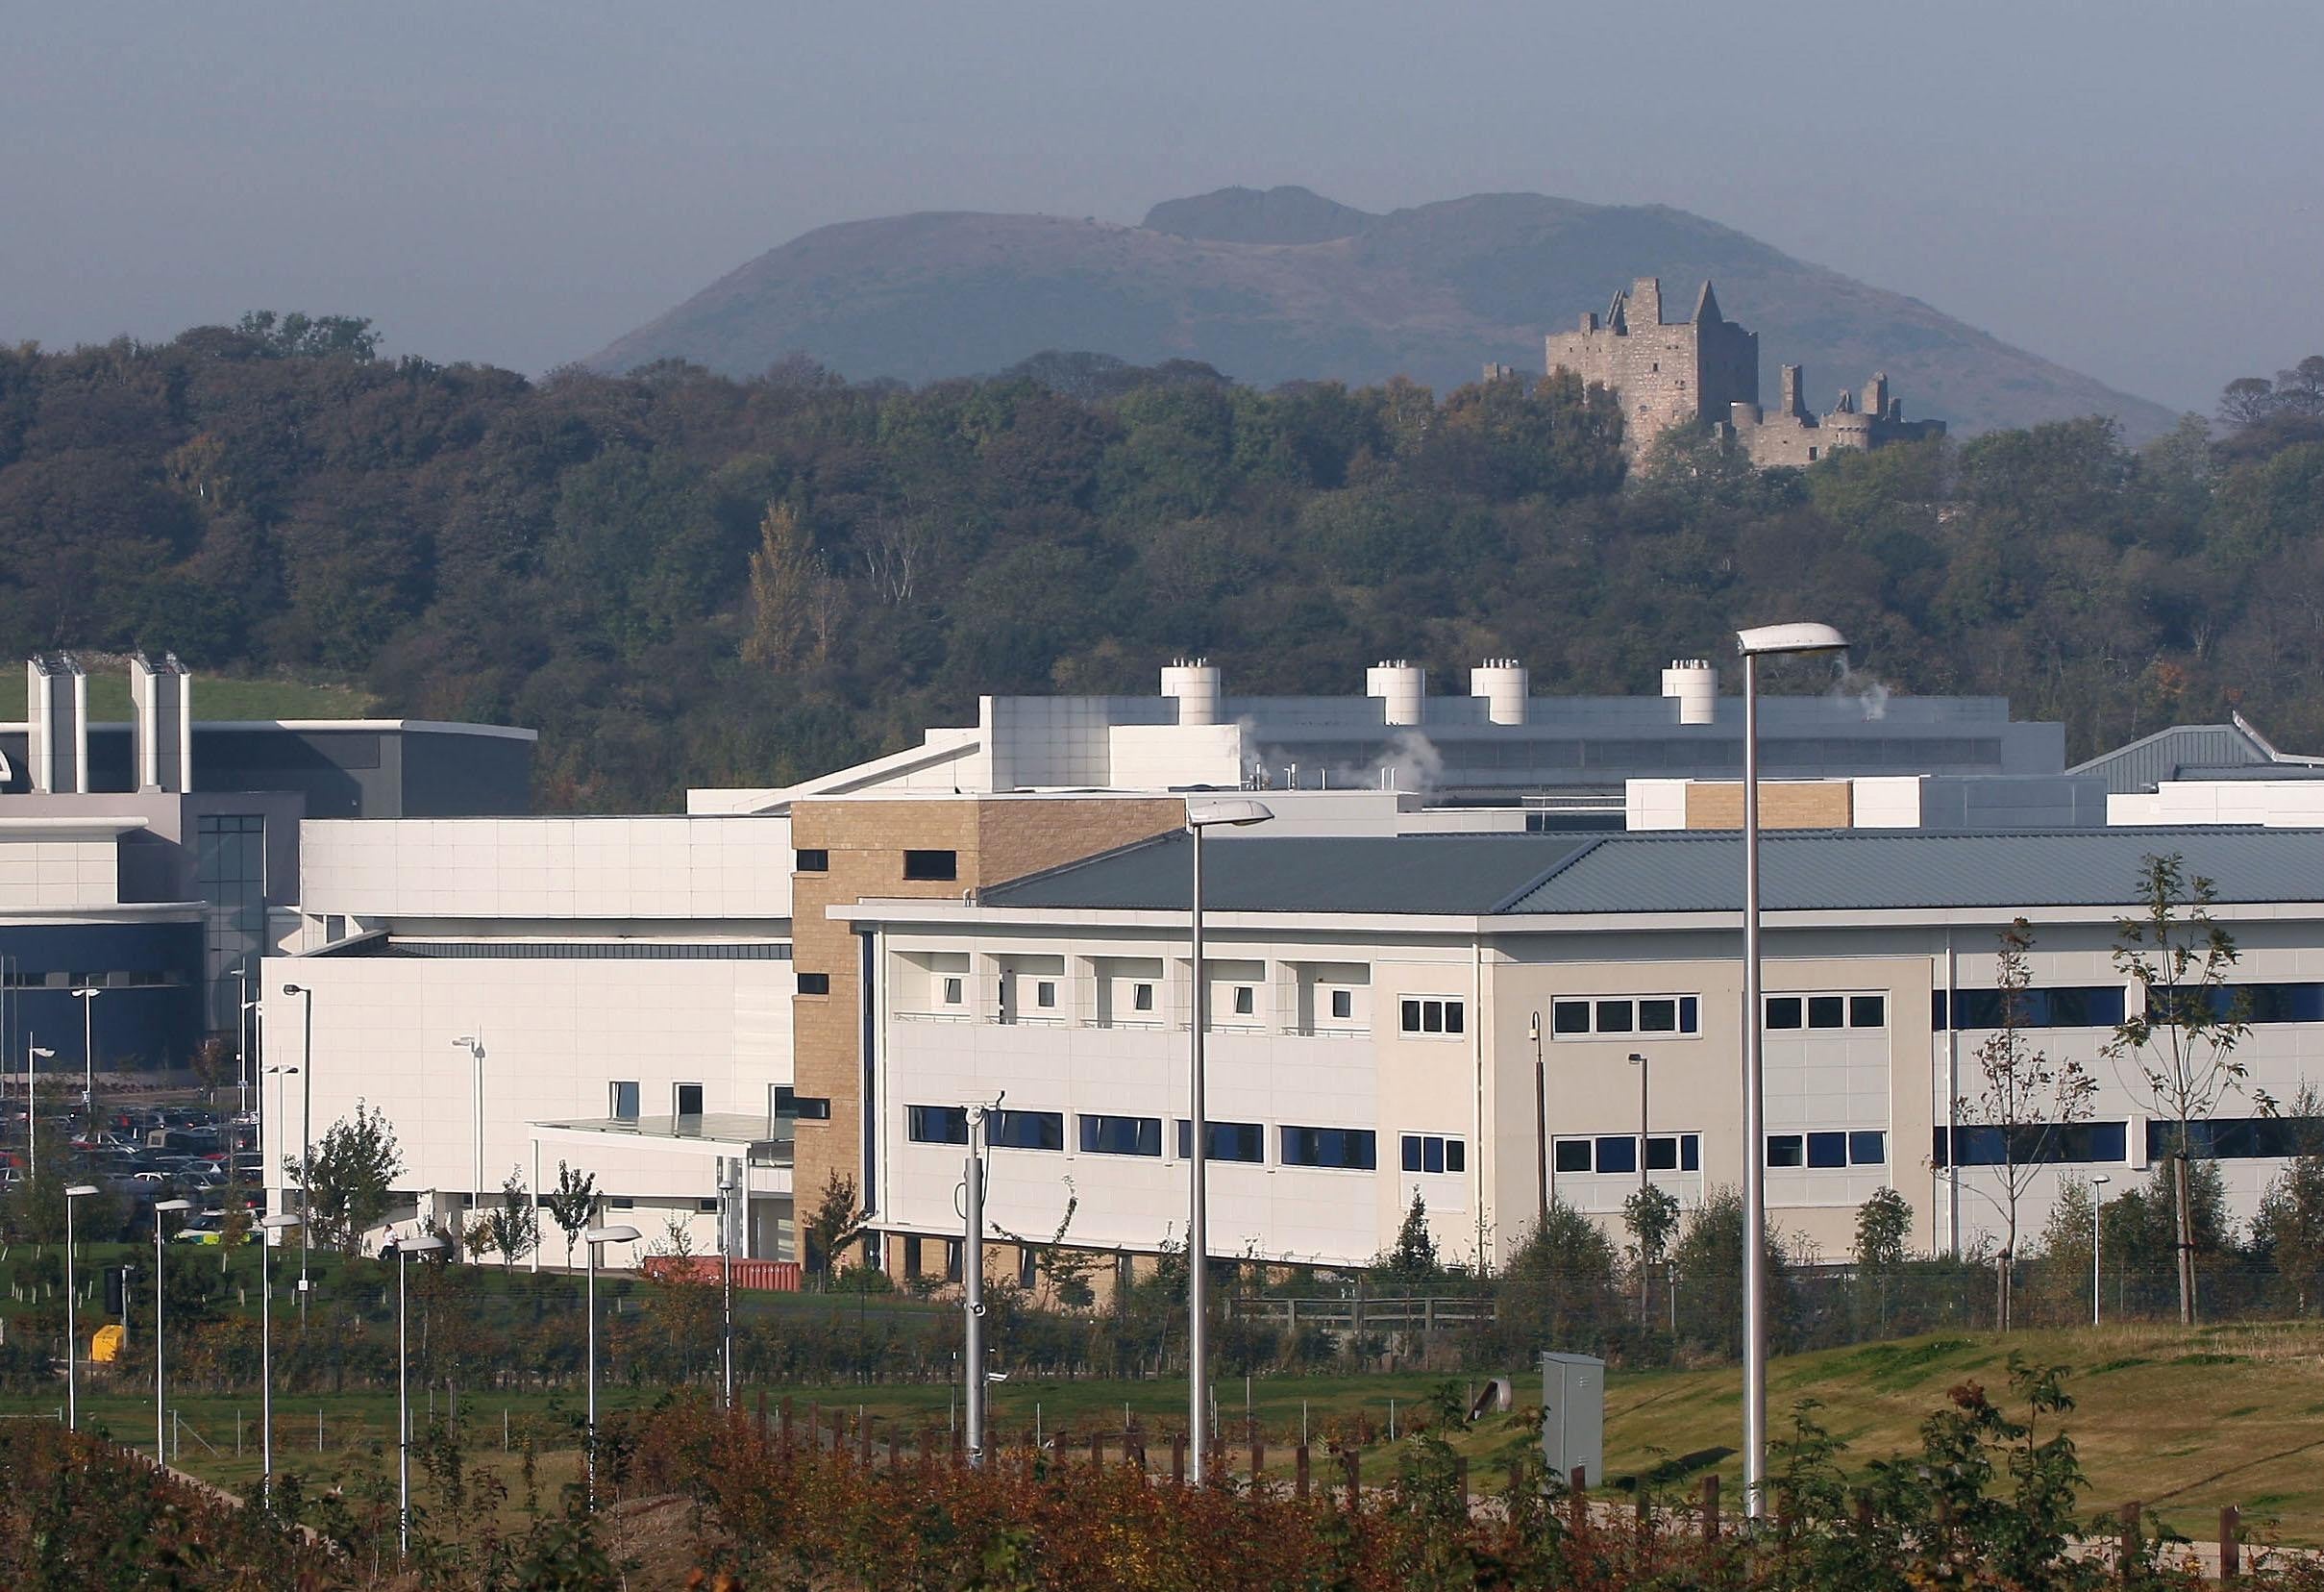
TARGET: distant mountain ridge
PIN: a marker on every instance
(1285, 285)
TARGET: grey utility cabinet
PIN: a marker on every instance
(1574, 1415)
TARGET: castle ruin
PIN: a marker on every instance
(1704, 371)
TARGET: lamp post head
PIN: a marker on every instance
(278, 1223)
(623, 1234)
(2102, 1178)
(280, 1067)
(296, 989)
(44, 1053)
(80, 1191)
(87, 994)
(161, 1206)
(1236, 813)
(1773, 640)
(427, 1243)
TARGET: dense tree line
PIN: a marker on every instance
(680, 578)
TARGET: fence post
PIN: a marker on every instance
(863, 1439)
(1097, 1449)
(1354, 1461)
(1711, 1507)
(1460, 1480)
(1298, 1461)
(1577, 1496)
(2129, 1558)
(783, 1424)
(2231, 1542)
(815, 1427)
(1177, 1457)
(762, 1417)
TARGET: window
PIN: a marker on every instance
(931, 864)
(1572, 1156)
(814, 859)
(686, 1099)
(787, 1102)
(1343, 1149)
(1827, 1149)
(1434, 1153)
(1120, 1135)
(951, 1259)
(1826, 1013)
(814, 983)
(2239, 1139)
(1429, 1014)
(2033, 1142)
(1229, 1141)
(954, 991)
(230, 875)
(1027, 1130)
(935, 1124)
(1245, 1001)
(1868, 1149)
(621, 1102)
(1577, 1018)
(1618, 1153)
(1045, 994)
(2260, 1002)
(1784, 1150)
(2094, 1006)
(1142, 997)
(1028, 1265)
(911, 1258)
(1343, 1004)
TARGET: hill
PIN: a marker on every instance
(1286, 286)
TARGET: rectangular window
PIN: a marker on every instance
(2239, 1139)
(2032, 1144)
(1341, 1149)
(1827, 1011)
(1572, 1156)
(955, 991)
(1828, 1014)
(1867, 1012)
(1028, 1266)
(931, 864)
(1343, 1004)
(1689, 1152)
(1614, 1017)
(1027, 1130)
(2094, 1006)
(1662, 1153)
(685, 1100)
(1045, 994)
(1784, 1150)
(1229, 1141)
(1783, 1012)
(935, 1124)
(1142, 997)
(621, 1102)
(814, 859)
(1432, 1015)
(1120, 1135)
(1618, 1153)
(1868, 1149)
(814, 983)
(911, 1258)
(1245, 1001)
(2259, 1002)
(1827, 1149)
(1433, 1153)
(788, 1102)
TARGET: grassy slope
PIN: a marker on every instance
(214, 698)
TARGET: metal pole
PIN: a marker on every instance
(160, 1454)
(72, 1354)
(88, 1055)
(266, 1353)
(726, 1272)
(306, 1144)
(31, 1136)
(241, 1036)
(1755, 1144)
(1198, 1217)
(476, 1053)
(2097, 1204)
(590, 1459)
(1540, 1123)
(403, 1415)
(972, 1278)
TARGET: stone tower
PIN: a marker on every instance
(1667, 373)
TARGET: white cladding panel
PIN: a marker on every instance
(62, 874)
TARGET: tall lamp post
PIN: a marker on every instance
(241, 1032)
(33, 1055)
(474, 1045)
(306, 1072)
(88, 1051)
(268, 1226)
(1541, 1121)
(2097, 1203)
(161, 1207)
(594, 1238)
(72, 1352)
(1199, 817)
(1644, 1068)
(1765, 641)
(428, 1244)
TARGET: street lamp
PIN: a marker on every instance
(72, 1352)
(426, 1245)
(474, 1045)
(1237, 814)
(268, 1226)
(88, 1049)
(241, 1032)
(1765, 641)
(305, 1130)
(32, 1138)
(1541, 1121)
(161, 1207)
(594, 1236)
(2097, 1203)
(1644, 1067)
(278, 1072)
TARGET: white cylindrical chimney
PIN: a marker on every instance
(1195, 683)
(1400, 688)
(1504, 685)
(1694, 683)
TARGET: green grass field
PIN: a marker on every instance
(214, 698)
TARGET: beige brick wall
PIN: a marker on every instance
(1783, 804)
(994, 840)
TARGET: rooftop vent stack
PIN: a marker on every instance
(1694, 683)
(161, 723)
(1504, 685)
(58, 693)
(1400, 687)
(1195, 683)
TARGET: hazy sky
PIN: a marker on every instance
(2128, 188)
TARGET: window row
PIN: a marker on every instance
(1603, 1017)
(2108, 1143)
(1827, 1011)
(1340, 1148)
(917, 864)
(2032, 1143)
(622, 1100)
(1431, 1016)
(2071, 1006)
(1859, 1147)
(1618, 1153)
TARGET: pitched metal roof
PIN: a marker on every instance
(1867, 870)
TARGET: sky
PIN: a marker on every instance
(2128, 188)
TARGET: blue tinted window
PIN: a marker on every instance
(1572, 1156)
(1345, 1149)
(1784, 1150)
(935, 1124)
(1827, 1149)
(1689, 1152)
(1120, 1135)
(1868, 1149)
(1229, 1141)
(1618, 1154)
(1029, 1130)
